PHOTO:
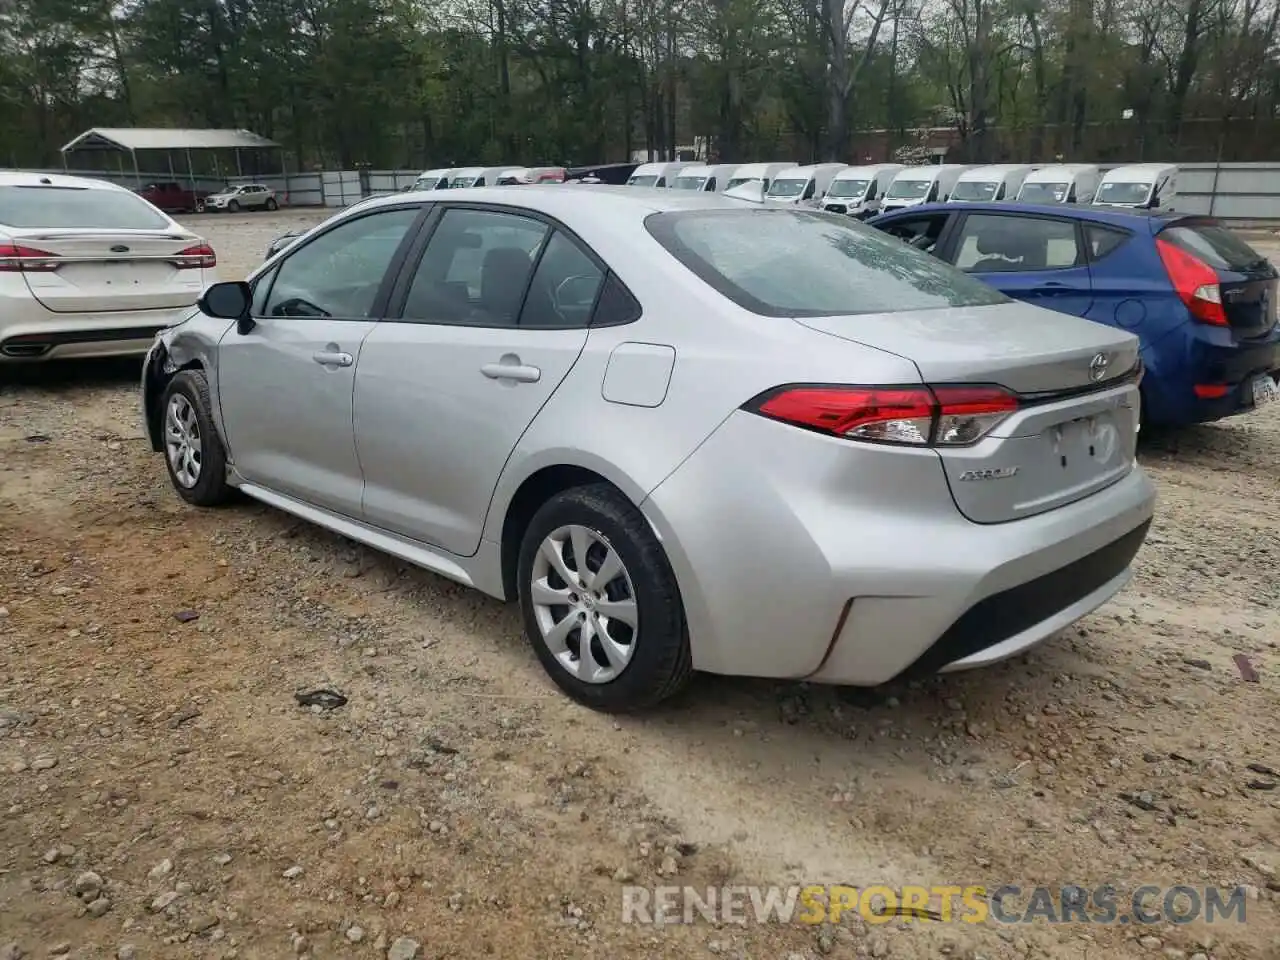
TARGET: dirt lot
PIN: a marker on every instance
(162, 795)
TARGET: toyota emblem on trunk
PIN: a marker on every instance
(1098, 367)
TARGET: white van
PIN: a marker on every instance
(1146, 186)
(763, 172)
(925, 184)
(433, 179)
(1060, 183)
(655, 174)
(712, 178)
(999, 181)
(856, 191)
(476, 177)
(803, 185)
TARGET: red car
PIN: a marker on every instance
(172, 197)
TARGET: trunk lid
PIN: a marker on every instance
(1075, 430)
(1247, 281)
(109, 270)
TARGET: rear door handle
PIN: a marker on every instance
(333, 358)
(518, 372)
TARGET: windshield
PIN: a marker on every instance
(971, 190)
(78, 207)
(1129, 194)
(908, 189)
(739, 181)
(787, 188)
(458, 182)
(426, 183)
(690, 183)
(1043, 192)
(848, 188)
(642, 182)
(789, 262)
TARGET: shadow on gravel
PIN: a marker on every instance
(71, 374)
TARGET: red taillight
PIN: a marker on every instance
(916, 416)
(1195, 281)
(201, 255)
(15, 259)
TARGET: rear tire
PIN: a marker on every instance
(630, 666)
(193, 452)
(271, 204)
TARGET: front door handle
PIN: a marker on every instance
(333, 358)
(510, 368)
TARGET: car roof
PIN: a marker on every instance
(564, 200)
(24, 178)
(1116, 216)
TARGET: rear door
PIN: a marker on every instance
(1040, 260)
(90, 250)
(494, 315)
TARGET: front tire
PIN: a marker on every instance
(193, 452)
(600, 603)
(233, 206)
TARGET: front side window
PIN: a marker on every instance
(475, 269)
(1002, 244)
(338, 273)
(784, 262)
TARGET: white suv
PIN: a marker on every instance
(90, 269)
(246, 196)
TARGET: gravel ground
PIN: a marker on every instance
(162, 795)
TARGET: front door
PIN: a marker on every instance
(285, 387)
(445, 390)
(1036, 259)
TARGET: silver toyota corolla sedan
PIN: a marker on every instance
(686, 432)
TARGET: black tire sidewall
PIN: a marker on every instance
(211, 488)
(233, 206)
(660, 663)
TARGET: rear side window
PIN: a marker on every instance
(1004, 244)
(801, 263)
(73, 207)
(1215, 245)
(1103, 240)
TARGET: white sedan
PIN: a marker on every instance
(90, 269)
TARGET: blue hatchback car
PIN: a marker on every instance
(1199, 298)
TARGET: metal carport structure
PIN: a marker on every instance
(235, 145)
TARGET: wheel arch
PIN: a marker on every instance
(519, 497)
(159, 371)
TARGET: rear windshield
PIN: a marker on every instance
(1217, 246)
(77, 207)
(973, 190)
(800, 263)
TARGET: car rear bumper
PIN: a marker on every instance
(1197, 356)
(801, 556)
(54, 336)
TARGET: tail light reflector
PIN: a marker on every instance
(199, 256)
(1195, 282)
(18, 259)
(912, 416)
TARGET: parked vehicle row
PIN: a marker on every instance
(856, 441)
(453, 178)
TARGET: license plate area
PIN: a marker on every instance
(1265, 390)
(1083, 445)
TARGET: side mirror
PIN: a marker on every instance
(228, 301)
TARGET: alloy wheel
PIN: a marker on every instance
(182, 440)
